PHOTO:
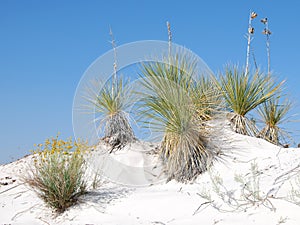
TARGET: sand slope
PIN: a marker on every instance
(216, 197)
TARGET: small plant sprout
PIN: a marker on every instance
(282, 220)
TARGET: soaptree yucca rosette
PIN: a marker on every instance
(273, 114)
(242, 93)
(109, 101)
(169, 103)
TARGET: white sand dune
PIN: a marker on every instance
(204, 201)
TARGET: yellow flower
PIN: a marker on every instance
(47, 142)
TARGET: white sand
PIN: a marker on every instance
(171, 203)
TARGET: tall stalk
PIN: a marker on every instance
(249, 39)
(110, 104)
(169, 40)
(113, 43)
(267, 32)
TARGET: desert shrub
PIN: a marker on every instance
(170, 104)
(58, 172)
(243, 93)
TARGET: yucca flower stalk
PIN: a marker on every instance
(273, 114)
(169, 103)
(243, 93)
(249, 37)
(267, 32)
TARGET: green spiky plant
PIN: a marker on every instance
(110, 104)
(273, 114)
(243, 93)
(169, 103)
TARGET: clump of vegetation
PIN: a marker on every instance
(274, 111)
(110, 103)
(110, 100)
(237, 200)
(243, 93)
(178, 104)
(170, 103)
(58, 172)
(273, 114)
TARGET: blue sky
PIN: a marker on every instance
(45, 47)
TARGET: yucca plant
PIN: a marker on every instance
(109, 102)
(110, 105)
(273, 114)
(169, 103)
(243, 93)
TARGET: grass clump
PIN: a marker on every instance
(58, 173)
(243, 93)
(169, 102)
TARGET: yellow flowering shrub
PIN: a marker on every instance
(58, 173)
